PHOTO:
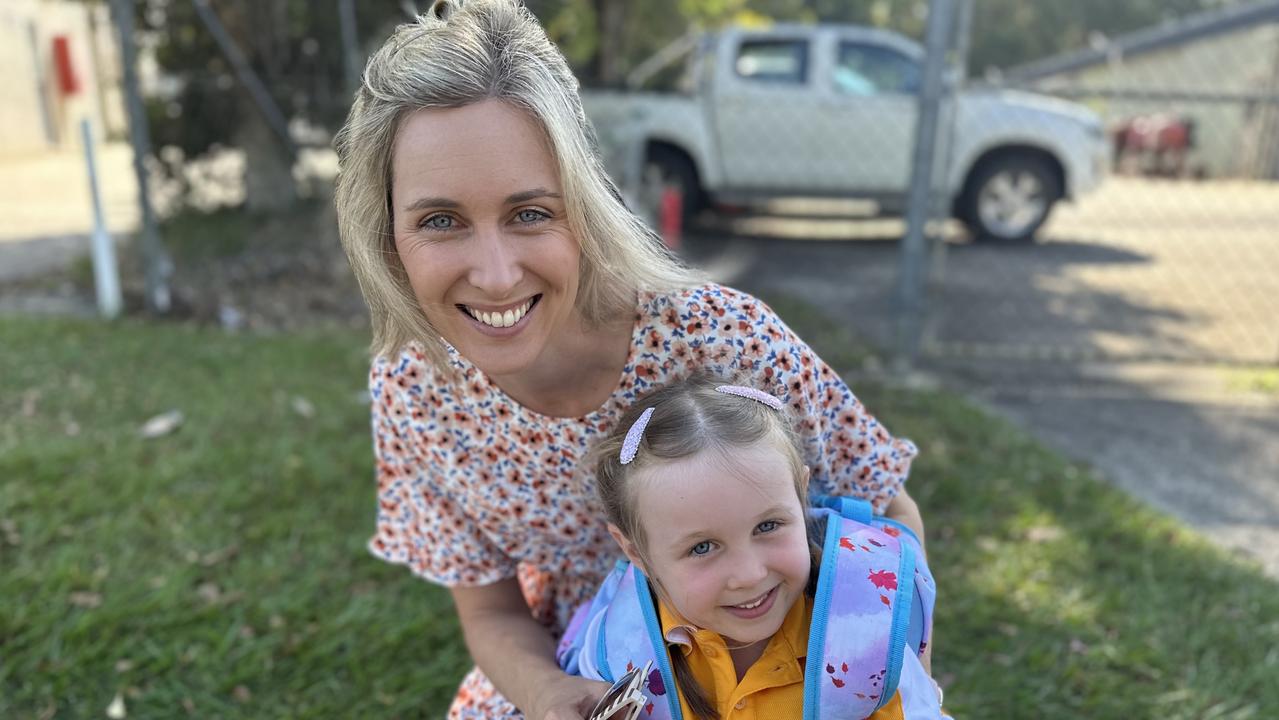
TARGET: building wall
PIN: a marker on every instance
(1233, 137)
(35, 115)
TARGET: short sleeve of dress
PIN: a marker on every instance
(848, 450)
(420, 523)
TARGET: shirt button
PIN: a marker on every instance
(740, 704)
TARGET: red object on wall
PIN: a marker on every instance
(68, 83)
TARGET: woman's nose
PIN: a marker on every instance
(496, 265)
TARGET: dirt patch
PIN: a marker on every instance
(237, 271)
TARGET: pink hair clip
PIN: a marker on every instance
(752, 393)
(630, 446)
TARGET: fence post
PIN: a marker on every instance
(106, 274)
(158, 264)
(911, 270)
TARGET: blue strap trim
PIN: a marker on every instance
(817, 628)
(851, 508)
(601, 653)
(901, 623)
(659, 643)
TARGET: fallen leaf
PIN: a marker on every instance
(218, 557)
(303, 407)
(189, 705)
(123, 665)
(1044, 533)
(162, 424)
(72, 428)
(1078, 646)
(116, 710)
(241, 694)
(209, 592)
(30, 399)
(88, 600)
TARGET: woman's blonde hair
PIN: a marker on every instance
(689, 417)
(457, 54)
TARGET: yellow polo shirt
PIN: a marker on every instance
(772, 688)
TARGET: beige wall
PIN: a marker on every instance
(1230, 135)
(34, 116)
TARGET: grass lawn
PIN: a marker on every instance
(219, 570)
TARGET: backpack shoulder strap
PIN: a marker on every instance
(620, 630)
(865, 602)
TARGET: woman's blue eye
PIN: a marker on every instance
(767, 526)
(438, 222)
(701, 548)
(531, 216)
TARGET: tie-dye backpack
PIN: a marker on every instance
(867, 630)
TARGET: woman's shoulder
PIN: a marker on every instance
(411, 373)
(711, 301)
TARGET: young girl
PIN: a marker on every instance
(706, 493)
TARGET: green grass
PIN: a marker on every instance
(219, 571)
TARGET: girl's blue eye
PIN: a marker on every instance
(701, 548)
(438, 222)
(767, 526)
(531, 216)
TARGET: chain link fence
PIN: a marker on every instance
(1118, 202)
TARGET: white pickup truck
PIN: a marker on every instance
(830, 111)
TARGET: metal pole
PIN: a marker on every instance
(266, 105)
(158, 265)
(106, 274)
(350, 45)
(910, 286)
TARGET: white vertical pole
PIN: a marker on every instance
(106, 275)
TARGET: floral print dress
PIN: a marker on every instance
(473, 488)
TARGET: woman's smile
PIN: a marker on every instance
(498, 321)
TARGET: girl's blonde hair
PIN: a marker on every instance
(689, 417)
(457, 54)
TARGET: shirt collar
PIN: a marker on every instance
(794, 630)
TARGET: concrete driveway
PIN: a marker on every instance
(1140, 335)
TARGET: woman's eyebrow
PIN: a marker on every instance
(432, 202)
(527, 195)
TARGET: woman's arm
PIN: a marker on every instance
(903, 509)
(518, 654)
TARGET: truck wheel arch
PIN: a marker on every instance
(1036, 160)
(678, 166)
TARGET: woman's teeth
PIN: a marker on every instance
(501, 319)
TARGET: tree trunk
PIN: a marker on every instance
(268, 172)
(610, 21)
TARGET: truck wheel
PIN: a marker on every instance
(1009, 198)
(665, 170)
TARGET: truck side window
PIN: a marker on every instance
(778, 61)
(874, 70)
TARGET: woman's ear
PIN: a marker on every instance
(628, 548)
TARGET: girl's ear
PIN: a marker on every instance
(628, 548)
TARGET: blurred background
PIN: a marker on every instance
(1066, 214)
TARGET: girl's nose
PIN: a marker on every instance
(496, 265)
(749, 570)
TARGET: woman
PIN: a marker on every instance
(517, 309)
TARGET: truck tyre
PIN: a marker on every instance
(1008, 198)
(665, 169)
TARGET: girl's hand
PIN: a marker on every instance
(569, 698)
